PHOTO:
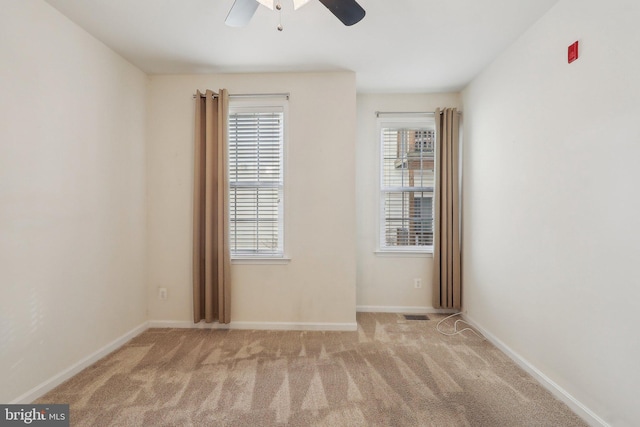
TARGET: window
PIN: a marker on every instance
(407, 184)
(256, 181)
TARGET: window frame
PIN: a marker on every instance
(265, 105)
(415, 120)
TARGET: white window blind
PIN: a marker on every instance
(256, 182)
(407, 184)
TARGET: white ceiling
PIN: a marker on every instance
(400, 45)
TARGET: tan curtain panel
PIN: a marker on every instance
(447, 286)
(211, 256)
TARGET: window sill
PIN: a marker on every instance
(261, 260)
(403, 254)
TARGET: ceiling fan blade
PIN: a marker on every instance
(347, 11)
(241, 13)
(297, 4)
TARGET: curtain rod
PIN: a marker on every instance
(253, 95)
(406, 113)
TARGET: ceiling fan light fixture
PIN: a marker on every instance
(270, 3)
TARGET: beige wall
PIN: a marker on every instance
(72, 224)
(318, 284)
(385, 282)
(551, 203)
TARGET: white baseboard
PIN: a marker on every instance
(63, 376)
(403, 310)
(276, 326)
(576, 406)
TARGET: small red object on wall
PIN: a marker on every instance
(573, 52)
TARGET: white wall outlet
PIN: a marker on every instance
(417, 283)
(162, 293)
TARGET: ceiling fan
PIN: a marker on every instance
(349, 12)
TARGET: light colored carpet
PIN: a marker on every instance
(391, 372)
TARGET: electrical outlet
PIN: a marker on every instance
(162, 293)
(417, 283)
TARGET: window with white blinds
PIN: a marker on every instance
(407, 184)
(256, 181)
